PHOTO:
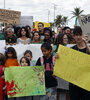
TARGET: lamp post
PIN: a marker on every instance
(54, 15)
(4, 4)
(48, 15)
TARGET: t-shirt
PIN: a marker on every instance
(11, 40)
(19, 40)
(84, 50)
(50, 80)
(11, 62)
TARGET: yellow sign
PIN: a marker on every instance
(10, 16)
(45, 24)
(73, 66)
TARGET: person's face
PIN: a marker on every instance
(23, 62)
(9, 54)
(46, 35)
(78, 38)
(40, 27)
(9, 33)
(23, 32)
(67, 31)
(45, 52)
(36, 36)
(59, 29)
(65, 39)
(28, 56)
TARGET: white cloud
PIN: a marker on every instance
(39, 8)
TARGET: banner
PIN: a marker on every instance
(34, 48)
(2, 46)
(25, 81)
(73, 66)
(85, 24)
(45, 24)
(10, 16)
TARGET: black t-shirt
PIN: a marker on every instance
(50, 80)
(84, 50)
(11, 40)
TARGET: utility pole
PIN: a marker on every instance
(54, 14)
(48, 15)
(4, 4)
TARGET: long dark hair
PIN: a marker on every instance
(27, 34)
(11, 50)
(59, 40)
(2, 59)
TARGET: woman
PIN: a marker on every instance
(36, 38)
(63, 85)
(24, 36)
(61, 39)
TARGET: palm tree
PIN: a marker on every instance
(58, 20)
(64, 20)
(77, 13)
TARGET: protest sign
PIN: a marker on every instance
(2, 46)
(25, 81)
(21, 48)
(45, 24)
(73, 66)
(85, 24)
(10, 16)
(26, 20)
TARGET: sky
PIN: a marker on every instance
(40, 9)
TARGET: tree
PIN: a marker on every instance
(77, 12)
(58, 20)
(64, 20)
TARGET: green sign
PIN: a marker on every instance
(25, 81)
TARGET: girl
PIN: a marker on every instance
(2, 62)
(28, 54)
(11, 57)
(48, 61)
(36, 37)
(61, 39)
(24, 61)
(24, 36)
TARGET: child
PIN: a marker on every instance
(48, 61)
(2, 62)
(24, 61)
(11, 57)
(28, 54)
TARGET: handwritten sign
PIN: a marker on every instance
(73, 66)
(10, 16)
(25, 81)
(85, 24)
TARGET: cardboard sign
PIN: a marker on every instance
(73, 66)
(10, 16)
(85, 24)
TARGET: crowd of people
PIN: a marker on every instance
(48, 39)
